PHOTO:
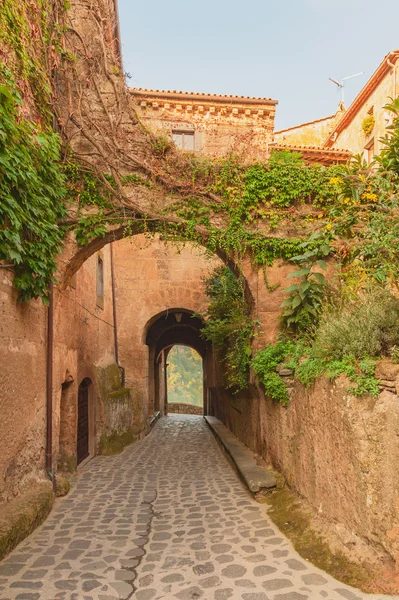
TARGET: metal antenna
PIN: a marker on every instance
(341, 85)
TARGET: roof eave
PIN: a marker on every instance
(194, 97)
(383, 69)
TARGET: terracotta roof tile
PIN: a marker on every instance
(179, 95)
(314, 154)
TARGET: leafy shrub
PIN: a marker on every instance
(302, 308)
(369, 327)
(228, 325)
(264, 365)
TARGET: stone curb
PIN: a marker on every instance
(255, 477)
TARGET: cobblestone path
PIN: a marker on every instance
(167, 519)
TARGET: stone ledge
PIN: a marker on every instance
(255, 477)
(22, 515)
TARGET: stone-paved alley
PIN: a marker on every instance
(169, 519)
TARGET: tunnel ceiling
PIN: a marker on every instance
(176, 327)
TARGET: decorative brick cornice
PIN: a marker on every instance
(195, 97)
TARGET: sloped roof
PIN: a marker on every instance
(314, 154)
(384, 68)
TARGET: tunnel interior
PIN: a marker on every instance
(175, 326)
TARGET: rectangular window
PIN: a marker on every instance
(184, 140)
(100, 281)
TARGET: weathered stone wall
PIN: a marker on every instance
(338, 451)
(184, 409)
(219, 124)
(83, 342)
(152, 277)
(22, 395)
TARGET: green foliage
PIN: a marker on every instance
(264, 365)
(32, 195)
(286, 180)
(302, 308)
(308, 365)
(185, 376)
(228, 325)
(369, 326)
(20, 23)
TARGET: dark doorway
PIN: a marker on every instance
(82, 440)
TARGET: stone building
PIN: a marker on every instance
(209, 124)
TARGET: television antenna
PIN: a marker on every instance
(340, 83)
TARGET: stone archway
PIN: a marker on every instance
(175, 326)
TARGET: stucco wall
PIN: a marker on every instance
(314, 133)
(352, 137)
(83, 340)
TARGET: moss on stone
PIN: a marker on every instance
(119, 393)
(116, 442)
(21, 516)
(63, 486)
(292, 519)
(68, 464)
(109, 378)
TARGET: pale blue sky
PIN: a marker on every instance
(283, 49)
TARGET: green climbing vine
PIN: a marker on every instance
(228, 325)
(32, 194)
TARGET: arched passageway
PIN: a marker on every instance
(176, 326)
(185, 377)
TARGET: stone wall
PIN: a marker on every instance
(151, 278)
(83, 342)
(339, 452)
(216, 125)
(184, 409)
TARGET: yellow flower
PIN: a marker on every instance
(320, 216)
(370, 197)
(329, 226)
(334, 180)
(347, 200)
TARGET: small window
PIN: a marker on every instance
(100, 281)
(184, 140)
(369, 152)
